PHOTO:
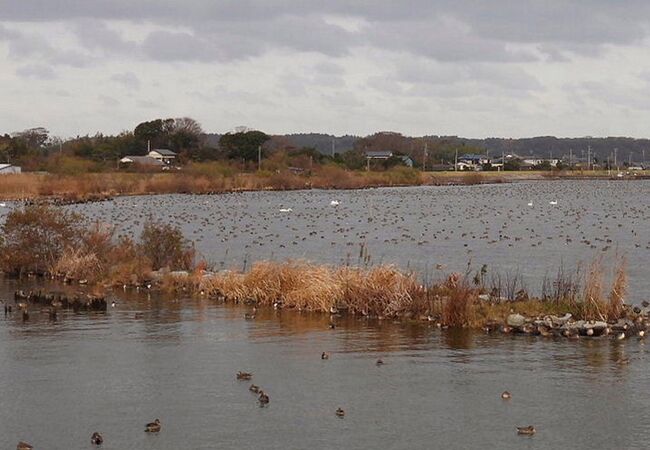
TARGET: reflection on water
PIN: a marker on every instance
(113, 372)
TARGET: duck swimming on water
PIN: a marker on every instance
(153, 427)
(528, 431)
(96, 439)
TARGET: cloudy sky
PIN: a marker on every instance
(474, 68)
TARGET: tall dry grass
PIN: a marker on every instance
(618, 291)
(195, 179)
(593, 301)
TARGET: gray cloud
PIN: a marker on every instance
(479, 58)
(442, 29)
(127, 79)
(36, 71)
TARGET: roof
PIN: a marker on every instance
(145, 160)
(471, 156)
(164, 151)
(379, 153)
(7, 166)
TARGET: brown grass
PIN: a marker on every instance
(460, 298)
(618, 291)
(593, 302)
(197, 179)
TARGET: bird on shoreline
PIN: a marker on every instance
(340, 412)
(506, 395)
(263, 398)
(244, 375)
(153, 427)
(325, 355)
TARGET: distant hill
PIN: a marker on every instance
(541, 146)
(544, 146)
(323, 142)
(320, 141)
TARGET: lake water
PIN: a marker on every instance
(415, 228)
(113, 373)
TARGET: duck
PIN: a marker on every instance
(340, 412)
(263, 398)
(528, 431)
(24, 446)
(379, 362)
(254, 389)
(244, 375)
(249, 316)
(325, 355)
(506, 395)
(153, 427)
(620, 336)
(96, 439)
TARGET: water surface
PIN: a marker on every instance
(113, 373)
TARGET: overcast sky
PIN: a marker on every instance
(474, 68)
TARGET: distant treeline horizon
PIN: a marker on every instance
(35, 149)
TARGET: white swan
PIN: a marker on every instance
(286, 209)
(335, 203)
(530, 203)
(553, 202)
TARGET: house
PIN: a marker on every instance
(379, 154)
(6, 169)
(539, 161)
(162, 154)
(472, 162)
(147, 161)
(387, 154)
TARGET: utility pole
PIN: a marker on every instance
(259, 158)
(615, 160)
(629, 159)
(503, 161)
(456, 162)
(424, 158)
(589, 157)
(333, 148)
(570, 158)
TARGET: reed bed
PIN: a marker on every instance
(214, 178)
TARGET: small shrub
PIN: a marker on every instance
(165, 246)
(35, 237)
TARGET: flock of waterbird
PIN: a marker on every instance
(415, 228)
(97, 439)
(261, 224)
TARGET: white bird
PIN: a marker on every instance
(553, 202)
(3, 204)
(286, 209)
(335, 203)
(530, 203)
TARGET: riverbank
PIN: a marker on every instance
(205, 179)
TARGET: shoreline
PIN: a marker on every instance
(96, 187)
